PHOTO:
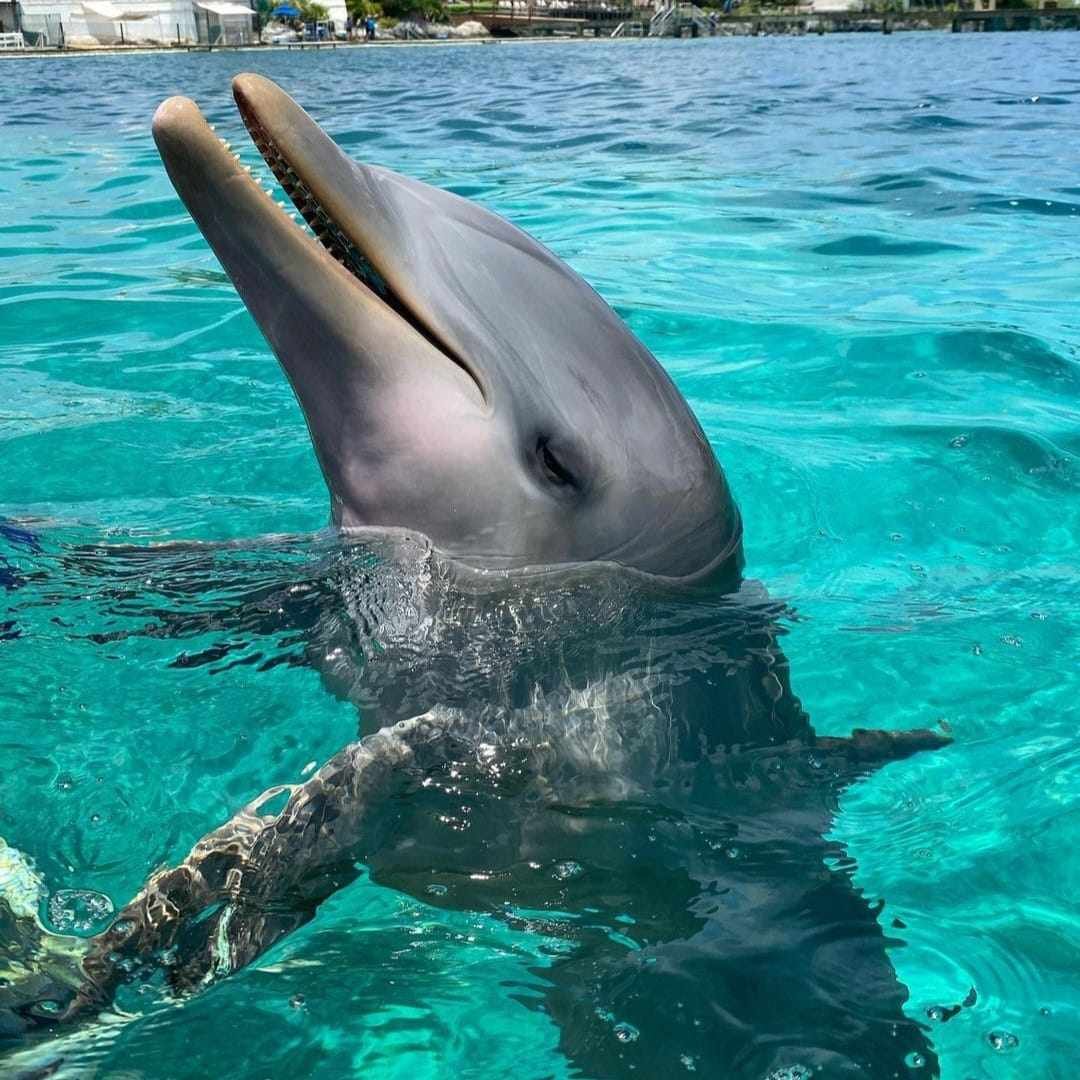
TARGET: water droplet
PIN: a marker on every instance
(915, 1060)
(79, 911)
(625, 1032)
(563, 871)
(296, 1001)
(435, 889)
(1002, 1041)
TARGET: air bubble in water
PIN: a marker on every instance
(1002, 1041)
(790, 1072)
(435, 889)
(79, 911)
(564, 871)
(625, 1032)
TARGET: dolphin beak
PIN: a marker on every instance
(330, 318)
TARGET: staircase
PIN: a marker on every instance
(673, 16)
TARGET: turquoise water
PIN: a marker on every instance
(856, 255)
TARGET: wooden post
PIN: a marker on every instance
(122, 42)
(178, 34)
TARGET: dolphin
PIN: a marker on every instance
(456, 377)
(576, 703)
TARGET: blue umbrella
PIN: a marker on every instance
(285, 11)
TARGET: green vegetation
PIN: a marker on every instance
(428, 10)
(361, 9)
(394, 10)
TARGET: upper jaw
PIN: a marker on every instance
(339, 343)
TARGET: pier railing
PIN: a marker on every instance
(586, 11)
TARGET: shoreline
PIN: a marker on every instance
(307, 46)
(1003, 20)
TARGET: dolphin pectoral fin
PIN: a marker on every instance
(865, 750)
(253, 880)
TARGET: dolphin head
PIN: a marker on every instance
(456, 377)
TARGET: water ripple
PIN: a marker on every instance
(857, 257)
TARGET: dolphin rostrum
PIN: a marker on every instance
(580, 672)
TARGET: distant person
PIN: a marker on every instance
(348, 27)
(369, 28)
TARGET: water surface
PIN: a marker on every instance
(857, 257)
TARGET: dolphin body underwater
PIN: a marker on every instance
(575, 704)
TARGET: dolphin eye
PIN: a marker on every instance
(554, 470)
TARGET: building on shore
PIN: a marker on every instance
(92, 23)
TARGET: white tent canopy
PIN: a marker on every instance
(223, 7)
(106, 9)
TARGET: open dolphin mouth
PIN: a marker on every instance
(318, 178)
(326, 230)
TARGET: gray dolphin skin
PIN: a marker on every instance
(457, 378)
(571, 702)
